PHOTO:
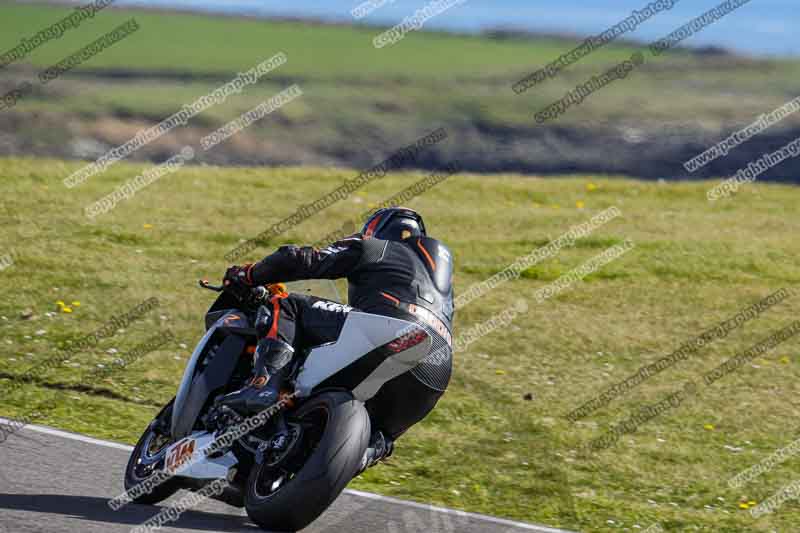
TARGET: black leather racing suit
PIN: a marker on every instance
(410, 279)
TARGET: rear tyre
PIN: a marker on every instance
(335, 437)
(148, 458)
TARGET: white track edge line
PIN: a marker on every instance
(368, 495)
(68, 435)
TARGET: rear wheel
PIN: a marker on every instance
(292, 494)
(148, 458)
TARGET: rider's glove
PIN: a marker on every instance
(238, 281)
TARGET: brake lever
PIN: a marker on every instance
(205, 284)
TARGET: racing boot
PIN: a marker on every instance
(380, 448)
(263, 389)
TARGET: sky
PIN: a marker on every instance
(760, 27)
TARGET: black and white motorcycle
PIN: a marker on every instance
(286, 465)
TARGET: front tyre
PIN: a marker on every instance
(148, 458)
(336, 430)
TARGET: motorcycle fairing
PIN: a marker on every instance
(195, 388)
(356, 360)
(199, 465)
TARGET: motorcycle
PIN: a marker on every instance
(285, 466)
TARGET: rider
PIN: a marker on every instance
(393, 269)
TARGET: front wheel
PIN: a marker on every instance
(148, 458)
(335, 435)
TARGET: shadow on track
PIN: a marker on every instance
(96, 510)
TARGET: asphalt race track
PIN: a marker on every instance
(52, 481)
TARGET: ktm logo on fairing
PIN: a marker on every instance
(180, 454)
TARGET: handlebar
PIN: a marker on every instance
(257, 294)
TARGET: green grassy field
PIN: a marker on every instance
(485, 448)
(410, 74)
(359, 100)
(226, 44)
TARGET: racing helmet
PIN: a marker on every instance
(394, 224)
